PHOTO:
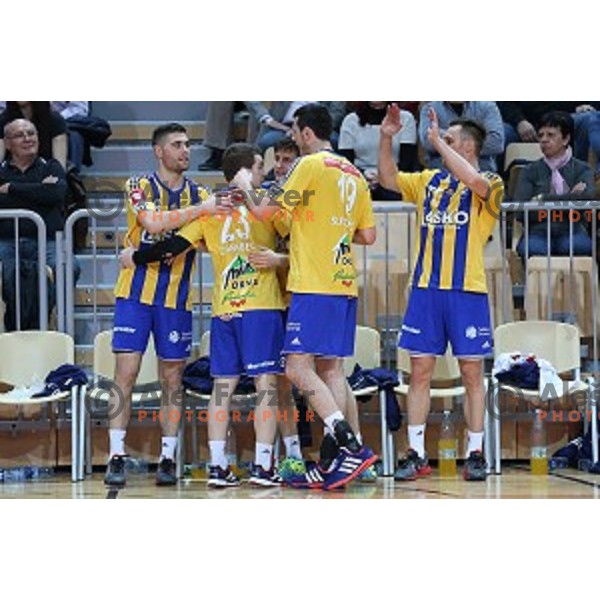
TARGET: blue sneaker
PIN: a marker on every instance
(312, 479)
(348, 466)
(221, 478)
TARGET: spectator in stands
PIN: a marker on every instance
(594, 139)
(359, 143)
(271, 119)
(558, 172)
(219, 132)
(486, 114)
(276, 122)
(69, 110)
(522, 121)
(27, 181)
(51, 128)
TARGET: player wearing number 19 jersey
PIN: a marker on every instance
(335, 203)
(329, 205)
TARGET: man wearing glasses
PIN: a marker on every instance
(28, 182)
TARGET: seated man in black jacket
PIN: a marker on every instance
(31, 183)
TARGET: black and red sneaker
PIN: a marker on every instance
(475, 468)
(412, 467)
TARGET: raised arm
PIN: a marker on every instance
(390, 126)
(459, 166)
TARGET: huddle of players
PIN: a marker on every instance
(324, 206)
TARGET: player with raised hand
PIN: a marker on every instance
(458, 207)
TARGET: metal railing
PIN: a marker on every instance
(556, 210)
(16, 215)
(392, 244)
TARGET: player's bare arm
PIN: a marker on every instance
(387, 169)
(460, 167)
(365, 237)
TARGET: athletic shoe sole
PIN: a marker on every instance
(222, 484)
(351, 476)
(421, 474)
(263, 483)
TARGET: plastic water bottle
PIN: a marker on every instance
(447, 447)
(539, 450)
(14, 475)
(29, 472)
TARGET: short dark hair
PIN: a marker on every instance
(473, 130)
(237, 156)
(315, 117)
(159, 134)
(287, 144)
(562, 120)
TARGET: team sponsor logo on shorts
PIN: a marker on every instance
(261, 365)
(412, 330)
(124, 330)
(292, 326)
(296, 342)
(471, 332)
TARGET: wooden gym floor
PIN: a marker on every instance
(515, 482)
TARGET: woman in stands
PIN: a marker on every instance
(51, 127)
(557, 173)
(359, 143)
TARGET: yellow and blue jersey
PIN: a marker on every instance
(327, 200)
(453, 226)
(239, 287)
(158, 284)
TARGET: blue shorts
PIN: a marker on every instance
(435, 317)
(321, 325)
(171, 328)
(248, 342)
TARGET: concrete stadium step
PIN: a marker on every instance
(107, 267)
(114, 182)
(150, 111)
(137, 159)
(141, 131)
